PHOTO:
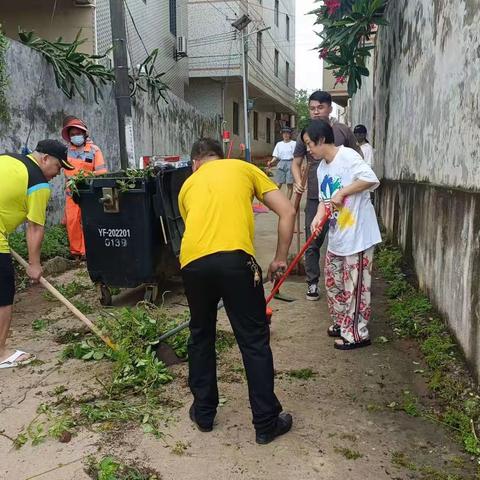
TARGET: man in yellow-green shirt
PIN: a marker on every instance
(24, 195)
(218, 262)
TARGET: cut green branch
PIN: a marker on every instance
(71, 67)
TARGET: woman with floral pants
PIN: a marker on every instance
(345, 182)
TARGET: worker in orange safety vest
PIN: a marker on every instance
(84, 155)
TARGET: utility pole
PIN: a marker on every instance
(241, 24)
(122, 89)
(245, 95)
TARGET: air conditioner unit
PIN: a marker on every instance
(181, 47)
(84, 3)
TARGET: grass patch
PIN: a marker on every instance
(39, 324)
(413, 316)
(426, 472)
(225, 340)
(72, 288)
(84, 307)
(55, 243)
(400, 459)
(302, 374)
(410, 404)
(110, 468)
(180, 448)
(348, 453)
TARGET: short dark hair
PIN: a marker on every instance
(320, 129)
(321, 97)
(360, 129)
(205, 147)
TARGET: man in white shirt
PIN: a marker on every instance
(283, 154)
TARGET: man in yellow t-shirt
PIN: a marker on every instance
(217, 261)
(24, 195)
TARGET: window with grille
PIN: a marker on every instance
(173, 17)
(275, 63)
(255, 125)
(287, 27)
(269, 131)
(287, 73)
(276, 12)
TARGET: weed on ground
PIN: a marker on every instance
(110, 468)
(413, 316)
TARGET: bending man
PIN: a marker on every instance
(217, 260)
(24, 195)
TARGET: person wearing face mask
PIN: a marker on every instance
(24, 195)
(85, 156)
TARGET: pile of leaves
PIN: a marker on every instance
(413, 316)
(125, 180)
(131, 392)
(135, 333)
(348, 25)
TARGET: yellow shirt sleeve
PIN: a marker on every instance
(181, 207)
(261, 183)
(37, 201)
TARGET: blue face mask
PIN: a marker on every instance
(77, 140)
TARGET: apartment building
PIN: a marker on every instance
(215, 66)
(150, 24)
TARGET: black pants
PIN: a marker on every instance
(229, 276)
(312, 255)
(7, 280)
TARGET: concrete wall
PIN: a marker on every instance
(49, 20)
(39, 107)
(426, 116)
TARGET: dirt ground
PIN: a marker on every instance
(346, 421)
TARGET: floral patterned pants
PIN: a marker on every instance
(348, 280)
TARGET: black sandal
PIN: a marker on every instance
(346, 345)
(334, 331)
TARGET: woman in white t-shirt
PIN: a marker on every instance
(345, 182)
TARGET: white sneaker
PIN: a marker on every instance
(312, 292)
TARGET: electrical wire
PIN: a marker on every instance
(255, 5)
(208, 38)
(216, 8)
(136, 28)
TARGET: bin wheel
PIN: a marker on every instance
(151, 293)
(104, 294)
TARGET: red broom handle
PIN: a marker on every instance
(230, 148)
(292, 265)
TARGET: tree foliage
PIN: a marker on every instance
(348, 25)
(301, 108)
